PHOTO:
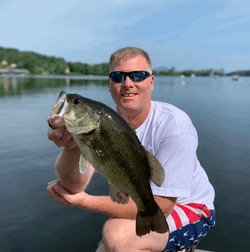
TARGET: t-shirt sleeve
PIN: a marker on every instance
(177, 154)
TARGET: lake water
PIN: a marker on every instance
(30, 220)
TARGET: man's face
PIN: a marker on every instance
(131, 96)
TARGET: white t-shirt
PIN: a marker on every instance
(169, 135)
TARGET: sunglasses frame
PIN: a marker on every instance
(147, 74)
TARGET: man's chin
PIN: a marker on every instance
(129, 106)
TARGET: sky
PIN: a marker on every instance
(185, 34)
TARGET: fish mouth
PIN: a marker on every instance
(60, 105)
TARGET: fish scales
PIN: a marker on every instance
(113, 154)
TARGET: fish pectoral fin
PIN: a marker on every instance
(117, 195)
(156, 169)
(84, 164)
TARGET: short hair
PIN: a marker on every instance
(129, 53)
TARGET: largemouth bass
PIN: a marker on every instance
(111, 145)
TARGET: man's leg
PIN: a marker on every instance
(119, 236)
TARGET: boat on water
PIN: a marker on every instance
(235, 78)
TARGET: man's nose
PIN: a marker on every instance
(128, 82)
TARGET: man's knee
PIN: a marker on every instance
(115, 235)
(119, 235)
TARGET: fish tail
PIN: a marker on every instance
(155, 222)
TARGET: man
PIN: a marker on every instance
(186, 196)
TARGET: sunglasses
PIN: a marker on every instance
(135, 76)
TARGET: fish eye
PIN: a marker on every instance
(76, 101)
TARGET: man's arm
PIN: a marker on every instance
(67, 171)
(67, 162)
(104, 204)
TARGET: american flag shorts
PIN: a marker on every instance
(188, 224)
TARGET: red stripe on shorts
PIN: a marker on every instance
(201, 207)
(177, 219)
(193, 217)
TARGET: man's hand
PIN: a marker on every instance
(62, 196)
(58, 132)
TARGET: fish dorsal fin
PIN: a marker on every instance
(84, 164)
(117, 195)
(156, 169)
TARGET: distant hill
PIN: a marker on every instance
(41, 64)
(161, 69)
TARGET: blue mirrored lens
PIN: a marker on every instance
(135, 76)
(118, 77)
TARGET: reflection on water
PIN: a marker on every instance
(17, 86)
(5, 83)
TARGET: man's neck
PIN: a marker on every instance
(135, 118)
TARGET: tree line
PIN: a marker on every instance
(41, 64)
(205, 72)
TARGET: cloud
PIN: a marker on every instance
(234, 9)
(234, 22)
(232, 14)
(233, 38)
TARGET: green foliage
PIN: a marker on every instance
(190, 72)
(167, 73)
(219, 72)
(205, 72)
(41, 64)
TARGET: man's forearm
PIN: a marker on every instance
(104, 205)
(67, 170)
